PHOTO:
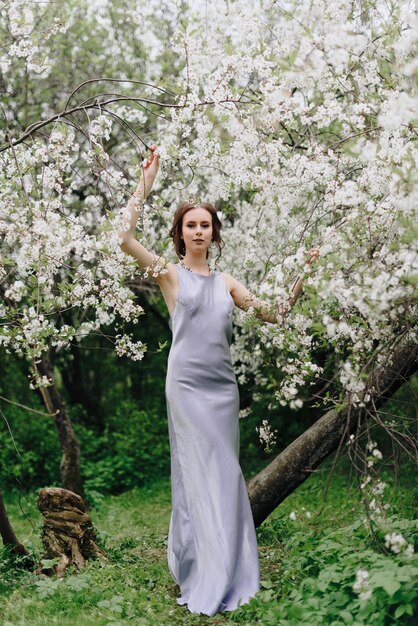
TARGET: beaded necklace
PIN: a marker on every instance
(186, 267)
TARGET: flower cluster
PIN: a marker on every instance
(371, 486)
(267, 435)
(126, 346)
(361, 585)
(398, 544)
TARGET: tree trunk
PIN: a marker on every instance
(77, 384)
(7, 533)
(54, 402)
(68, 533)
(296, 463)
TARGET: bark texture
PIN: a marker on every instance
(67, 533)
(55, 405)
(7, 533)
(297, 462)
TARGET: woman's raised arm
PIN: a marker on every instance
(134, 210)
(164, 273)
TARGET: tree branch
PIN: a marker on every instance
(297, 462)
(98, 105)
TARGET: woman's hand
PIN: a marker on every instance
(313, 256)
(149, 169)
(150, 166)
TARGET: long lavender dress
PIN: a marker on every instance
(212, 548)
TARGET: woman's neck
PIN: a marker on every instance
(196, 263)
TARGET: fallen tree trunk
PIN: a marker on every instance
(70, 460)
(297, 462)
(68, 532)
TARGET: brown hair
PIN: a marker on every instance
(176, 229)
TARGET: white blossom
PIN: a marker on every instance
(398, 544)
(125, 346)
(267, 435)
(361, 585)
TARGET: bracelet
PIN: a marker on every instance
(137, 199)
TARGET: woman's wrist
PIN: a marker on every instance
(136, 202)
(282, 311)
(296, 289)
(144, 186)
(141, 188)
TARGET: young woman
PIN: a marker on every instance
(212, 548)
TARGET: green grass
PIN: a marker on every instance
(133, 586)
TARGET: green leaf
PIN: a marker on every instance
(383, 579)
(47, 586)
(49, 563)
(399, 611)
(78, 583)
(346, 616)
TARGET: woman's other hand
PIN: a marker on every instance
(313, 255)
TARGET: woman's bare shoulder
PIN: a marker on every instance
(242, 297)
(230, 280)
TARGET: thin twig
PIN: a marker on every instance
(27, 408)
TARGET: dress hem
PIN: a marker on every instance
(223, 608)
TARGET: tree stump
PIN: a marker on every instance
(68, 532)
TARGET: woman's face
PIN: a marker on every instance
(197, 229)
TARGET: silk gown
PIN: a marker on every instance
(212, 547)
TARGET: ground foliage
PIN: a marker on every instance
(310, 551)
